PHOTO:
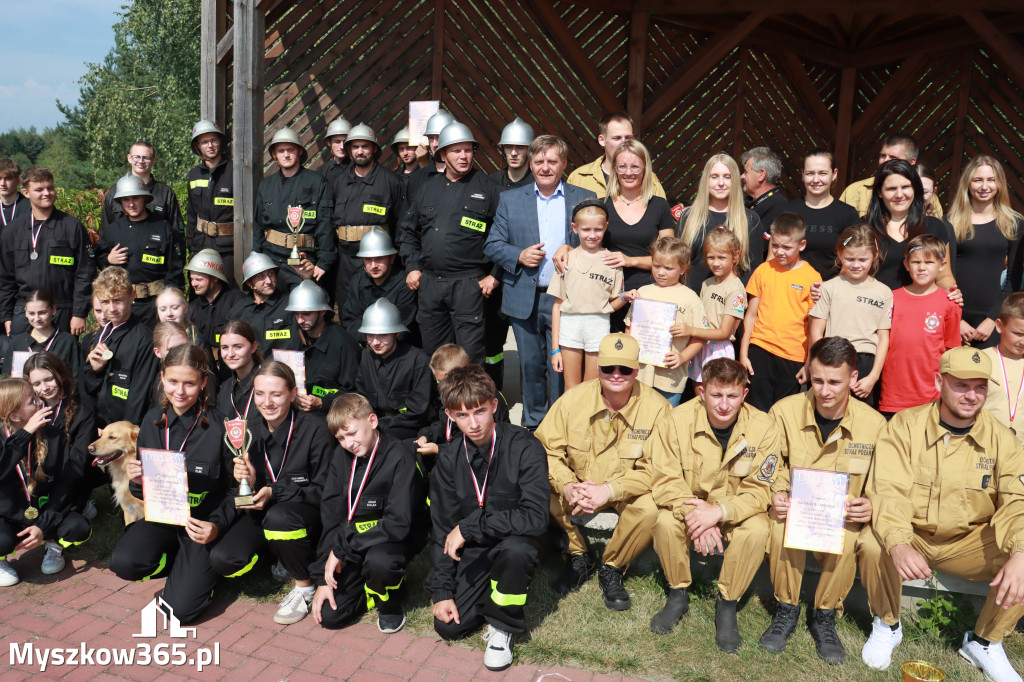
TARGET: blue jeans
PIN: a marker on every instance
(672, 398)
(541, 384)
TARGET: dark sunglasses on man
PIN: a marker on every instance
(621, 369)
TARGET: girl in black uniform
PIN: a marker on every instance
(43, 335)
(286, 466)
(66, 438)
(241, 354)
(184, 422)
(22, 415)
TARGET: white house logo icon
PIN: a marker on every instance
(153, 611)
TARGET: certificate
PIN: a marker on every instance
(419, 112)
(650, 322)
(164, 486)
(295, 359)
(18, 360)
(817, 510)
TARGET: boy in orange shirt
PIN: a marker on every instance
(774, 344)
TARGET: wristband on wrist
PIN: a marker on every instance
(623, 297)
(556, 351)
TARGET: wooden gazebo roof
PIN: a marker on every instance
(697, 77)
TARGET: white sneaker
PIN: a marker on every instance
(8, 576)
(990, 659)
(53, 559)
(294, 607)
(877, 651)
(498, 654)
(90, 510)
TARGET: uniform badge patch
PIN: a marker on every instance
(768, 469)
(618, 344)
(976, 358)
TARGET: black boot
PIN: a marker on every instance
(615, 596)
(823, 629)
(578, 570)
(727, 630)
(783, 625)
(676, 606)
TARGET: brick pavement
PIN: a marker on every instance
(87, 604)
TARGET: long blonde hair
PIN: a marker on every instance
(646, 185)
(12, 392)
(735, 215)
(960, 211)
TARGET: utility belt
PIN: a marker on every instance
(148, 289)
(288, 240)
(353, 233)
(215, 229)
(478, 273)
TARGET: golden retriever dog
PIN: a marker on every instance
(112, 451)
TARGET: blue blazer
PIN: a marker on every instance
(515, 227)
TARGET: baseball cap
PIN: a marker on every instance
(965, 362)
(619, 349)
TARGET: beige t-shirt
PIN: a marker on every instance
(587, 286)
(723, 298)
(996, 402)
(855, 311)
(689, 311)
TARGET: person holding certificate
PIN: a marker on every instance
(713, 460)
(953, 449)
(185, 422)
(821, 429)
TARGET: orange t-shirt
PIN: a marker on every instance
(784, 302)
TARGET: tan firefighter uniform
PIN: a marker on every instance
(585, 442)
(687, 462)
(958, 500)
(850, 448)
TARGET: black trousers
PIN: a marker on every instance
(73, 530)
(377, 580)
(774, 378)
(491, 585)
(865, 361)
(452, 311)
(348, 265)
(145, 310)
(149, 550)
(495, 333)
(287, 530)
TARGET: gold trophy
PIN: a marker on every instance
(239, 438)
(295, 222)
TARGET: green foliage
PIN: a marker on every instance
(944, 616)
(86, 205)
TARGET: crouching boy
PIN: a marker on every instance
(489, 509)
(373, 516)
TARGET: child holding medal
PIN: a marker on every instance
(1004, 400)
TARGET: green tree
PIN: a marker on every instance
(146, 88)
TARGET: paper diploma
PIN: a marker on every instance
(650, 322)
(164, 486)
(295, 359)
(18, 360)
(817, 510)
(419, 112)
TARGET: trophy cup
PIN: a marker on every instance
(239, 438)
(295, 222)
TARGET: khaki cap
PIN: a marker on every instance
(619, 349)
(965, 362)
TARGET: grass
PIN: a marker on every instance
(578, 631)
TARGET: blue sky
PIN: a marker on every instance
(44, 46)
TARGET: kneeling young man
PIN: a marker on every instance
(947, 494)
(489, 511)
(373, 516)
(713, 460)
(821, 429)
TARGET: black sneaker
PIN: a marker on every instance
(783, 625)
(578, 570)
(615, 596)
(390, 623)
(823, 629)
(676, 606)
(727, 630)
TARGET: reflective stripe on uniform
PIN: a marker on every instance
(363, 526)
(68, 543)
(502, 599)
(196, 499)
(494, 359)
(159, 567)
(199, 183)
(285, 534)
(370, 594)
(245, 569)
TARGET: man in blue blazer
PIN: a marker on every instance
(530, 224)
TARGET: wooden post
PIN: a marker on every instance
(961, 122)
(437, 80)
(741, 100)
(209, 91)
(247, 126)
(844, 126)
(638, 24)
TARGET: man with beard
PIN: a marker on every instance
(210, 211)
(265, 311)
(953, 451)
(434, 165)
(365, 195)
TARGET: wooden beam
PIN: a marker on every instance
(437, 74)
(1008, 50)
(844, 125)
(961, 119)
(226, 44)
(691, 73)
(808, 7)
(209, 88)
(247, 124)
(549, 19)
(741, 98)
(896, 87)
(808, 92)
(638, 27)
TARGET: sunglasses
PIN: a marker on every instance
(621, 369)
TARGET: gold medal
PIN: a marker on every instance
(107, 354)
(31, 513)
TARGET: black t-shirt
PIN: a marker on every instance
(956, 430)
(979, 265)
(723, 435)
(636, 239)
(699, 266)
(825, 426)
(891, 273)
(824, 225)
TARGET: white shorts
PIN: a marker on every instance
(583, 330)
(710, 351)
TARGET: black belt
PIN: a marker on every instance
(462, 274)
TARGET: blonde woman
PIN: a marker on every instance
(988, 233)
(719, 201)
